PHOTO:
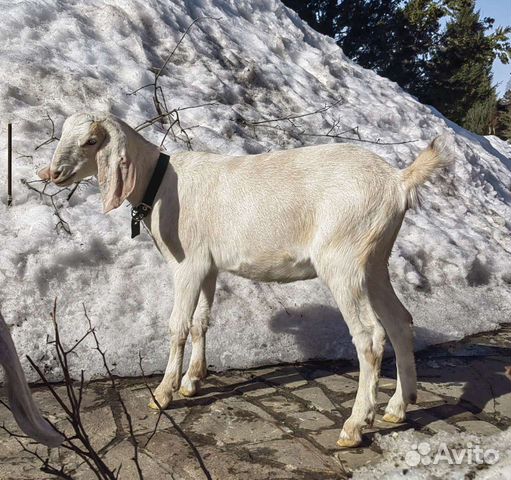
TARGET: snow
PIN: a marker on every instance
(415, 456)
(257, 60)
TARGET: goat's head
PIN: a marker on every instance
(94, 144)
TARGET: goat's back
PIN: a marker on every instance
(284, 205)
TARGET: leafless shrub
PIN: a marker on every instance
(78, 442)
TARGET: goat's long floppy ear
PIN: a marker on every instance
(116, 171)
(20, 399)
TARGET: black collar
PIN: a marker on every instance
(141, 211)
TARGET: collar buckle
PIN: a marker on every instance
(141, 211)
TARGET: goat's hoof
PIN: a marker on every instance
(391, 418)
(161, 405)
(187, 392)
(348, 443)
(189, 388)
(153, 406)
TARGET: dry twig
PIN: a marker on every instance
(52, 138)
(296, 131)
(179, 430)
(164, 114)
(53, 198)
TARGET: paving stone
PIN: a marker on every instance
(316, 398)
(479, 427)
(423, 396)
(234, 463)
(280, 404)
(380, 425)
(266, 423)
(294, 456)
(152, 468)
(226, 423)
(439, 388)
(95, 412)
(250, 386)
(327, 438)
(354, 458)
(291, 379)
(243, 404)
(381, 398)
(310, 420)
(100, 426)
(136, 398)
(387, 383)
(425, 419)
(229, 378)
(259, 390)
(491, 391)
(338, 383)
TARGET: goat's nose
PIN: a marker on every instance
(55, 174)
(44, 173)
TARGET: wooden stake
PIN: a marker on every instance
(9, 164)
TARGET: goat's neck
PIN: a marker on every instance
(145, 156)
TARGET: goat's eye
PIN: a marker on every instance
(91, 141)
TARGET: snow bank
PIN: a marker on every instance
(415, 456)
(257, 60)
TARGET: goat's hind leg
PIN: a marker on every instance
(369, 339)
(397, 322)
(197, 370)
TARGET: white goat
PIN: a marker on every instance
(20, 399)
(331, 211)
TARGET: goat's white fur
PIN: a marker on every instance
(20, 399)
(331, 211)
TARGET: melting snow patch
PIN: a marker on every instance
(415, 456)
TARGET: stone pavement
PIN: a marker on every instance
(278, 422)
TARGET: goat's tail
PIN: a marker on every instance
(438, 155)
(21, 403)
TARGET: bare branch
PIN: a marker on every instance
(61, 224)
(165, 115)
(52, 138)
(292, 117)
(133, 438)
(159, 72)
(173, 112)
(300, 131)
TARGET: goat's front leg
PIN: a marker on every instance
(187, 283)
(197, 370)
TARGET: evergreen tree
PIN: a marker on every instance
(459, 80)
(417, 35)
(481, 115)
(383, 35)
(503, 124)
(449, 68)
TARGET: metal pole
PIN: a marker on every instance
(9, 164)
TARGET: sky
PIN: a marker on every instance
(500, 10)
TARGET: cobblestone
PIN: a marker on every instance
(279, 422)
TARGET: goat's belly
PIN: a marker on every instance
(281, 268)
